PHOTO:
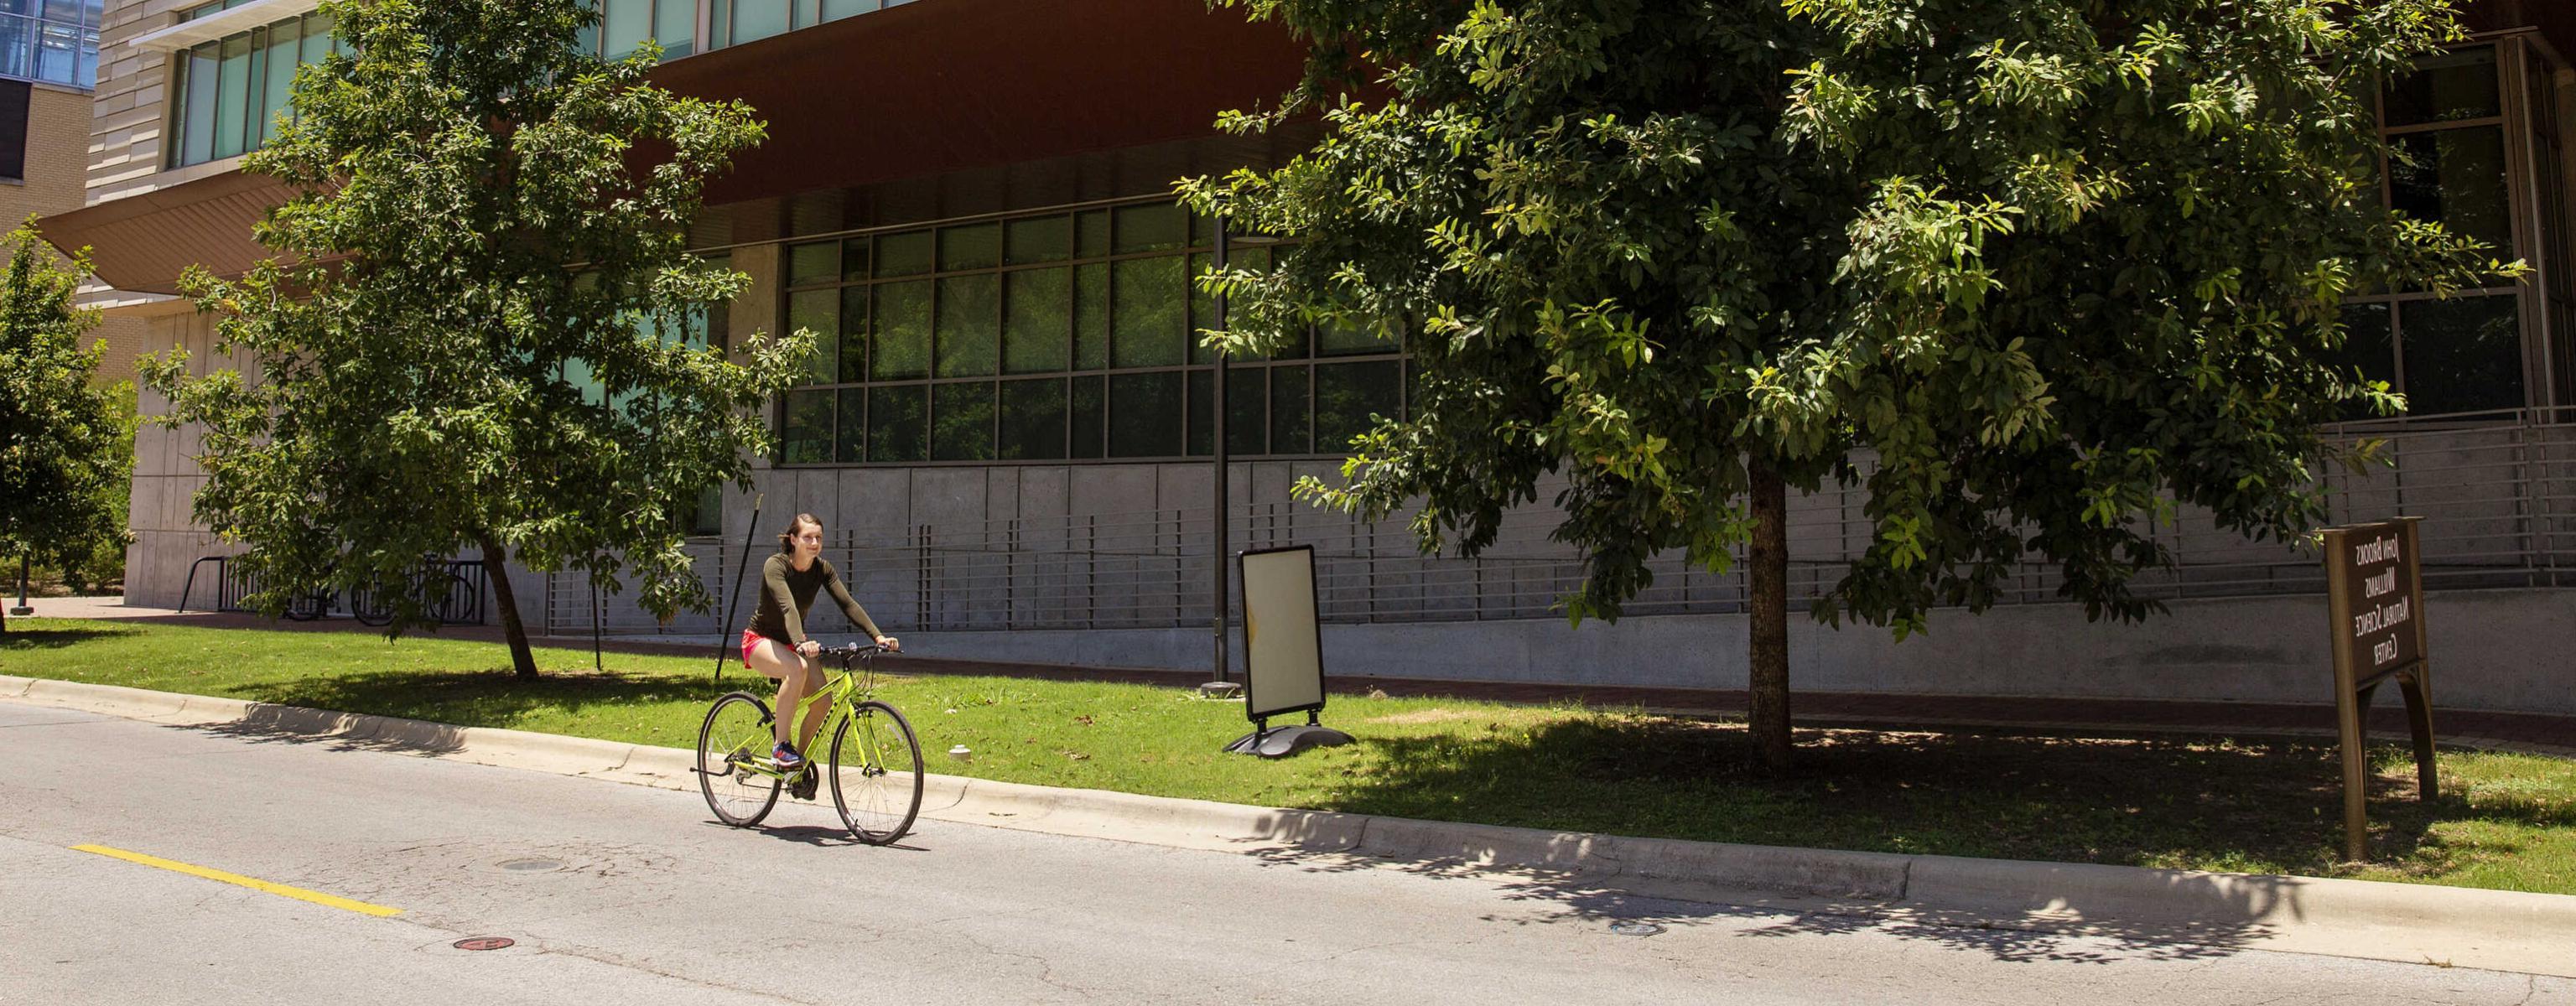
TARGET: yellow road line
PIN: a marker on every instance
(253, 883)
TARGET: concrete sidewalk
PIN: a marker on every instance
(2496, 731)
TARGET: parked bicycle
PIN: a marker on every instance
(451, 598)
(873, 765)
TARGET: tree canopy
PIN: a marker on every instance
(66, 450)
(2025, 270)
(477, 329)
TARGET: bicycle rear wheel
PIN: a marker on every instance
(307, 607)
(371, 607)
(876, 773)
(450, 598)
(735, 733)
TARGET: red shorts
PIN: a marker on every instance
(750, 641)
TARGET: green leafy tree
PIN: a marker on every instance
(2026, 270)
(483, 215)
(66, 451)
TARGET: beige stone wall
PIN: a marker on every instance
(126, 127)
(167, 538)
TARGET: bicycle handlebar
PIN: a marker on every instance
(853, 651)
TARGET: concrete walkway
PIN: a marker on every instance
(2523, 732)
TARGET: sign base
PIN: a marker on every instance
(1221, 690)
(1285, 741)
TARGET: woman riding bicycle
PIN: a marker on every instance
(776, 645)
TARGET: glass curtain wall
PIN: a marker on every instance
(1051, 337)
(2474, 147)
(54, 41)
(625, 24)
(231, 91)
(735, 22)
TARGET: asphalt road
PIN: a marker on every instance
(629, 895)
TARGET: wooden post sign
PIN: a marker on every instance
(2375, 593)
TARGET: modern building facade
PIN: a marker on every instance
(1010, 430)
(48, 68)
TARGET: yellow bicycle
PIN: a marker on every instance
(874, 764)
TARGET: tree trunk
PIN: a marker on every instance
(496, 568)
(1768, 559)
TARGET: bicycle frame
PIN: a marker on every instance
(844, 688)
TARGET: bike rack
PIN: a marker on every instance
(220, 565)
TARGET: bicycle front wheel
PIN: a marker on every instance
(876, 773)
(736, 734)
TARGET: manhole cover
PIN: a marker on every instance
(484, 943)
(531, 865)
(1635, 928)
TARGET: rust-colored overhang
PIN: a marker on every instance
(929, 87)
(143, 242)
(943, 85)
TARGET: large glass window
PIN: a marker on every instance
(2451, 134)
(1054, 336)
(736, 22)
(55, 41)
(625, 24)
(231, 92)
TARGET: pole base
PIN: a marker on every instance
(1221, 690)
(1285, 741)
(21, 611)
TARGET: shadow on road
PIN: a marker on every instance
(2089, 802)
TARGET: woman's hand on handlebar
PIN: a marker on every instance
(809, 648)
(891, 644)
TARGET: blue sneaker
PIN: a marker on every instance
(786, 757)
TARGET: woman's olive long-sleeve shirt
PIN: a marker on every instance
(787, 593)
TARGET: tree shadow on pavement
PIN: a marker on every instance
(2159, 800)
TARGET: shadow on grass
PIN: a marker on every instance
(55, 639)
(431, 707)
(2258, 806)
(492, 698)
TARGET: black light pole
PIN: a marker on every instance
(24, 609)
(748, 532)
(1224, 686)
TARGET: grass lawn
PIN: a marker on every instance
(2268, 806)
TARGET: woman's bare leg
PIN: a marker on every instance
(795, 678)
(815, 716)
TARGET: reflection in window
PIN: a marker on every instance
(1348, 395)
(55, 41)
(899, 423)
(2455, 85)
(1092, 345)
(1145, 415)
(231, 92)
(2462, 355)
(962, 417)
(2455, 177)
(1033, 424)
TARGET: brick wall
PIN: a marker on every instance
(58, 134)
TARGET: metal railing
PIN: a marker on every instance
(464, 604)
(2498, 498)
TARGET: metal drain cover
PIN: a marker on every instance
(484, 943)
(1635, 928)
(532, 865)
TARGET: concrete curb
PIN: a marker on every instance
(2499, 930)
